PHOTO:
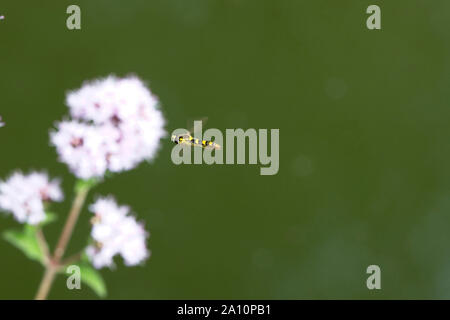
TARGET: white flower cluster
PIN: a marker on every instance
(116, 232)
(24, 196)
(115, 125)
(1, 122)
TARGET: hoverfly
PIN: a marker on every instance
(187, 139)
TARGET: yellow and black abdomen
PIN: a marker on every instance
(208, 143)
(189, 140)
(200, 143)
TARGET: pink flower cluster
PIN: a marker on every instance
(115, 125)
(24, 196)
(115, 232)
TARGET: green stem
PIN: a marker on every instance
(46, 283)
(53, 265)
(43, 245)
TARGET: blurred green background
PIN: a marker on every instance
(364, 143)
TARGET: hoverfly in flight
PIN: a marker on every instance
(187, 139)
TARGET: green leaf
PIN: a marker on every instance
(92, 279)
(49, 218)
(26, 241)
